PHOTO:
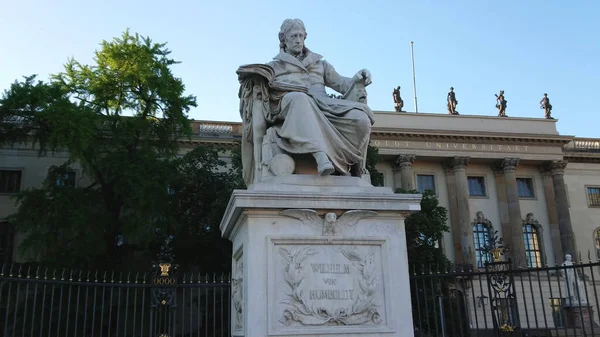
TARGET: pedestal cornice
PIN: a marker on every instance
(316, 193)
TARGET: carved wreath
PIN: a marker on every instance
(362, 310)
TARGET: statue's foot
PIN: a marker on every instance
(324, 165)
(325, 169)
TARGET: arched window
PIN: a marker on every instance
(481, 237)
(531, 236)
(597, 242)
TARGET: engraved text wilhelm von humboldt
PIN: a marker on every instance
(331, 294)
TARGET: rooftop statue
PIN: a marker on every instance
(452, 102)
(545, 104)
(286, 113)
(398, 100)
(501, 104)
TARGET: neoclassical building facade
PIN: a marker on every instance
(539, 189)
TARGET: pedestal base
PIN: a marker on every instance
(581, 318)
(319, 256)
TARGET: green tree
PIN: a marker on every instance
(120, 120)
(425, 230)
(202, 191)
(372, 159)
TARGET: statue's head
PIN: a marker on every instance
(292, 35)
(451, 88)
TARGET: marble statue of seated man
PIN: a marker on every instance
(335, 132)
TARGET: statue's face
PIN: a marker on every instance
(294, 40)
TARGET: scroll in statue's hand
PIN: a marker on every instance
(363, 74)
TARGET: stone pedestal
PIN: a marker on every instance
(319, 256)
(581, 318)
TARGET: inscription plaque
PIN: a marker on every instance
(337, 285)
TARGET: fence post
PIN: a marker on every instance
(163, 292)
(503, 302)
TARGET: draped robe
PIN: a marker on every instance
(313, 121)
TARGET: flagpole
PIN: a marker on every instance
(412, 56)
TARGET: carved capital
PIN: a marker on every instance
(497, 169)
(404, 161)
(557, 167)
(457, 163)
(509, 164)
(545, 169)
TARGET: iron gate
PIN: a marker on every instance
(37, 301)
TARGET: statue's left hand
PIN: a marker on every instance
(363, 74)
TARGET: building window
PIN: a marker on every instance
(476, 186)
(425, 182)
(67, 179)
(481, 236)
(10, 181)
(533, 252)
(558, 313)
(7, 236)
(525, 187)
(593, 194)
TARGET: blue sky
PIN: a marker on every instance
(524, 47)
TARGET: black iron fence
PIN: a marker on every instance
(561, 300)
(47, 302)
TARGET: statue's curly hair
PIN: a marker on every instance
(286, 26)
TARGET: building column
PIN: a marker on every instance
(453, 211)
(502, 203)
(552, 215)
(567, 239)
(403, 172)
(517, 244)
(459, 167)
